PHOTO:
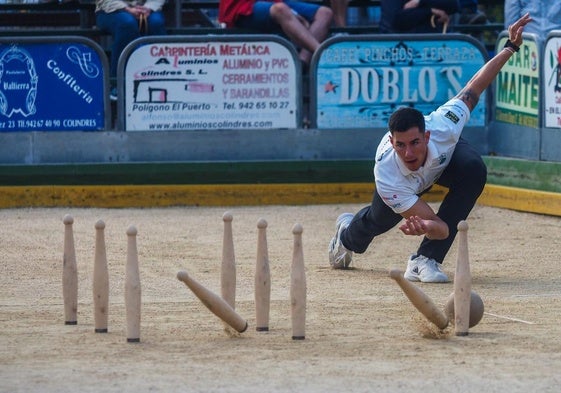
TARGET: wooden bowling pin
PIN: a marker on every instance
(462, 284)
(132, 288)
(262, 279)
(298, 287)
(420, 300)
(100, 280)
(228, 267)
(69, 274)
(214, 303)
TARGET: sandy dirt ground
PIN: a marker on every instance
(362, 334)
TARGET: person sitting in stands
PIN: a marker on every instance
(470, 13)
(127, 20)
(546, 15)
(305, 24)
(416, 16)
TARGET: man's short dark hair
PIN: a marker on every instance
(405, 118)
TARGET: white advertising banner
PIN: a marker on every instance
(552, 82)
(202, 85)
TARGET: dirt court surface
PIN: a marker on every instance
(362, 334)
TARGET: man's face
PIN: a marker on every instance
(411, 147)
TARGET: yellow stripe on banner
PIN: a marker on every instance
(250, 194)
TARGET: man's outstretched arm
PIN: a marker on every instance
(485, 76)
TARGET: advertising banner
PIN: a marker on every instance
(552, 81)
(361, 80)
(517, 97)
(202, 83)
(53, 84)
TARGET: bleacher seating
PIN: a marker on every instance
(183, 17)
(47, 17)
(76, 17)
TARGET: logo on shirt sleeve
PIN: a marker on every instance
(452, 116)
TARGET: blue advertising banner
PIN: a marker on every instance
(51, 84)
(359, 81)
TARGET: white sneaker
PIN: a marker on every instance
(339, 256)
(421, 268)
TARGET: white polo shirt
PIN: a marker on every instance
(397, 185)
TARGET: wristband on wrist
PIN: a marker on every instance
(510, 44)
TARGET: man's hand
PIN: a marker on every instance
(138, 10)
(440, 15)
(420, 219)
(414, 226)
(515, 30)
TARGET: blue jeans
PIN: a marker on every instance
(465, 178)
(124, 28)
